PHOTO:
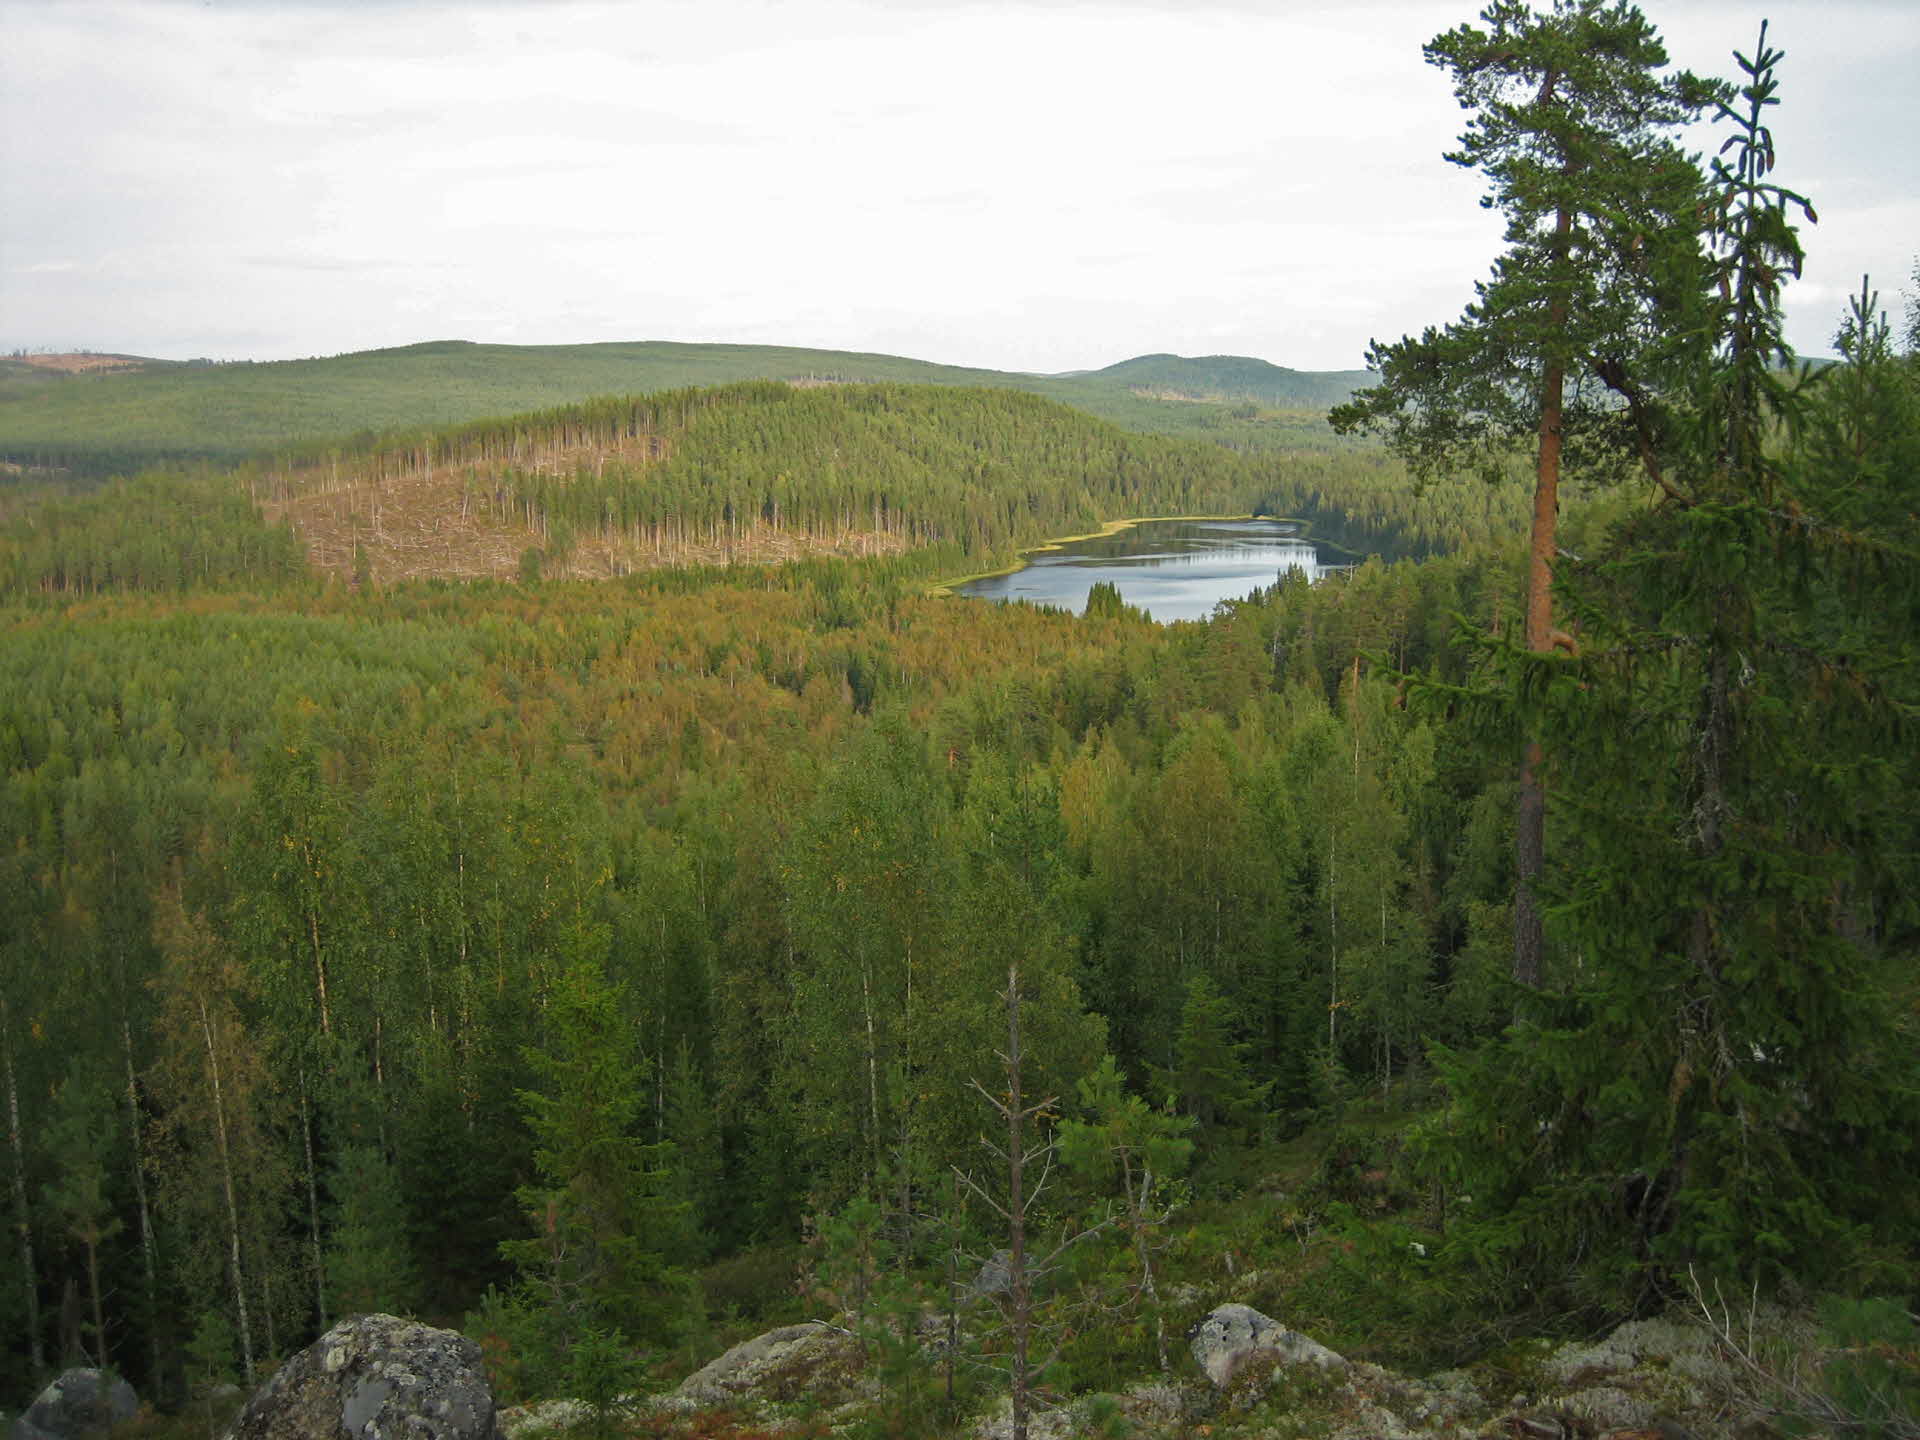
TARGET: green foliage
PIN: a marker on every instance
(160, 531)
(210, 1355)
(369, 1264)
(630, 847)
(1568, 122)
(81, 1140)
(1123, 1141)
(1127, 1144)
(604, 1211)
(1391, 1290)
(604, 1374)
(1208, 1080)
(1104, 602)
(1872, 1380)
(1728, 1077)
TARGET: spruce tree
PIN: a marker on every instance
(1729, 1079)
(1208, 1079)
(604, 1211)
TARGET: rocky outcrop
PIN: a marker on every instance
(1643, 1381)
(79, 1403)
(375, 1377)
(782, 1364)
(1230, 1338)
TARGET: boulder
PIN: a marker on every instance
(80, 1402)
(783, 1364)
(995, 1276)
(1230, 1335)
(376, 1377)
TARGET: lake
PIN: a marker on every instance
(1172, 569)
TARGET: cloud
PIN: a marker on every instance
(1045, 184)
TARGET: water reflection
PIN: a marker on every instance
(1172, 569)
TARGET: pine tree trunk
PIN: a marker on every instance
(1530, 828)
(1019, 1291)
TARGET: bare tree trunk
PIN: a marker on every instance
(1333, 950)
(235, 1272)
(148, 1263)
(319, 972)
(1019, 1287)
(313, 1206)
(873, 1082)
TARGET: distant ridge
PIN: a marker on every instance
(1235, 377)
(118, 421)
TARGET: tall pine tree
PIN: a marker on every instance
(1729, 1078)
(1563, 349)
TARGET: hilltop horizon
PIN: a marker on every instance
(41, 355)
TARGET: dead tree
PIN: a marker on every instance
(1021, 1153)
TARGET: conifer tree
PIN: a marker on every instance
(368, 1264)
(1208, 1079)
(80, 1137)
(1729, 1078)
(213, 1150)
(604, 1209)
(1145, 1150)
(1563, 347)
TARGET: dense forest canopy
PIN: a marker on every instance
(746, 472)
(582, 960)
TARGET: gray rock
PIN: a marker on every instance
(995, 1276)
(376, 1377)
(790, 1359)
(80, 1402)
(1043, 1423)
(1607, 1407)
(1223, 1342)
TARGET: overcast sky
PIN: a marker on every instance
(1020, 184)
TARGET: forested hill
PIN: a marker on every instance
(1233, 378)
(107, 423)
(756, 471)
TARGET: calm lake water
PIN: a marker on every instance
(1172, 569)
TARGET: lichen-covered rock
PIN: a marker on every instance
(782, 1364)
(543, 1417)
(1230, 1335)
(1608, 1407)
(376, 1377)
(1449, 1398)
(80, 1402)
(1044, 1423)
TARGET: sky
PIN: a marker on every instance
(1039, 185)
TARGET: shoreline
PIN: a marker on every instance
(946, 588)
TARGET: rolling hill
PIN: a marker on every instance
(104, 422)
(1225, 378)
